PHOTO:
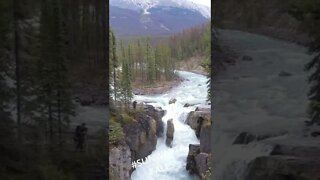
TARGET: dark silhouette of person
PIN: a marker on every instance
(199, 121)
(134, 104)
(80, 135)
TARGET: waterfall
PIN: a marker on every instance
(165, 162)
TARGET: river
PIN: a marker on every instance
(169, 163)
(265, 96)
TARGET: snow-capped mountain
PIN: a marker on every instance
(145, 5)
(155, 17)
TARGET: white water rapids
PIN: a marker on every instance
(170, 163)
(255, 97)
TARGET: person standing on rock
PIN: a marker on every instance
(80, 136)
(134, 104)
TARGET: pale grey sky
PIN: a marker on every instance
(205, 2)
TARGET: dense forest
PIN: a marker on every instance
(49, 50)
(146, 61)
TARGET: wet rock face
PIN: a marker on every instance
(170, 132)
(141, 136)
(198, 162)
(202, 164)
(205, 139)
(284, 168)
(120, 162)
(193, 118)
(191, 166)
(157, 114)
(287, 161)
(196, 119)
(199, 157)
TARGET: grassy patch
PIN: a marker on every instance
(115, 132)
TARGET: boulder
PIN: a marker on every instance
(141, 136)
(193, 118)
(198, 163)
(170, 132)
(284, 168)
(191, 166)
(172, 100)
(288, 160)
(120, 162)
(157, 113)
(196, 119)
(186, 105)
(202, 161)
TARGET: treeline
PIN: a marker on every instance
(139, 62)
(46, 48)
(195, 41)
(149, 62)
(308, 13)
(145, 61)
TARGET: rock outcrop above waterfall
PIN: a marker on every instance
(156, 113)
(140, 135)
(198, 162)
(199, 157)
(120, 162)
(170, 132)
(196, 119)
(141, 129)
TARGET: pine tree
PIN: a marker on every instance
(113, 63)
(150, 63)
(308, 12)
(53, 69)
(126, 91)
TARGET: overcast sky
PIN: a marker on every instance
(205, 2)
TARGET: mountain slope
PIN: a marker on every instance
(155, 18)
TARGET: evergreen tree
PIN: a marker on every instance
(126, 91)
(150, 63)
(308, 12)
(113, 63)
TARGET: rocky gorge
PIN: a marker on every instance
(140, 140)
(157, 135)
(199, 156)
